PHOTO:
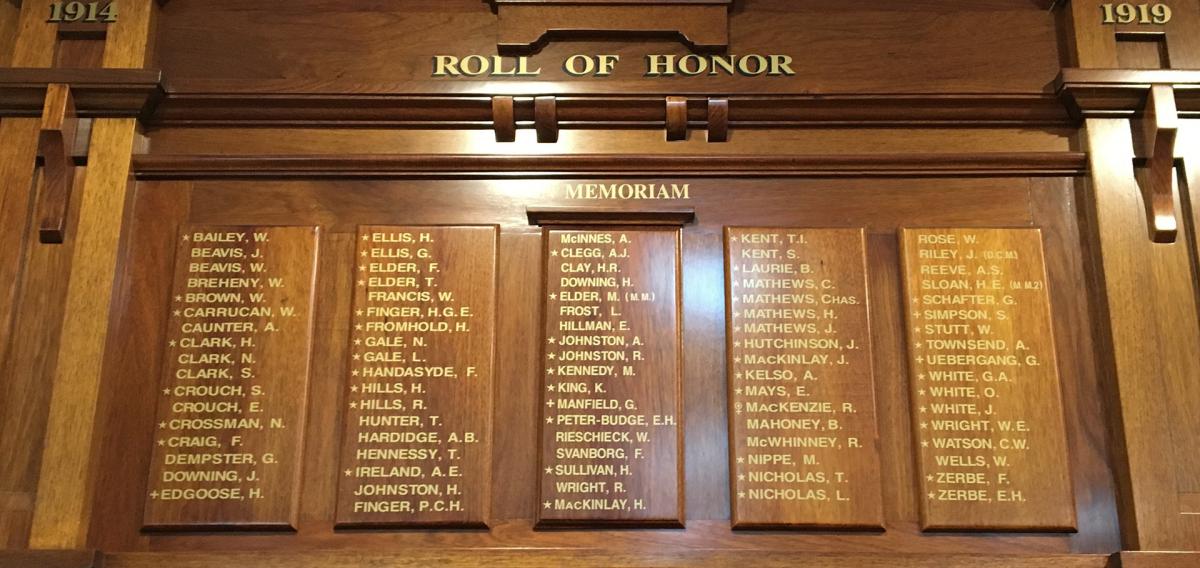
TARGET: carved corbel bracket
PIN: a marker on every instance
(526, 25)
(56, 145)
(1160, 128)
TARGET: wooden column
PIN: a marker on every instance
(25, 41)
(1145, 292)
(67, 480)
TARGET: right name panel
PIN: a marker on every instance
(986, 400)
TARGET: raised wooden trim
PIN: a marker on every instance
(153, 166)
(110, 93)
(527, 25)
(587, 558)
(1121, 93)
(504, 119)
(547, 216)
(467, 104)
(50, 558)
(677, 118)
(1156, 560)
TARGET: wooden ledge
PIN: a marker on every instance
(1122, 93)
(527, 25)
(557, 216)
(588, 558)
(50, 559)
(98, 93)
(487, 166)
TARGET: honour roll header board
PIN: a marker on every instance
(416, 449)
(231, 411)
(611, 432)
(986, 400)
(803, 434)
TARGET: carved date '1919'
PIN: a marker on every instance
(89, 12)
(1126, 13)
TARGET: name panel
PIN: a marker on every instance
(228, 439)
(804, 438)
(417, 448)
(986, 399)
(611, 423)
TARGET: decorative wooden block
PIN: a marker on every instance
(417, 444)
(526, 24)
(986, 400)
(803, 434)
(228, 440)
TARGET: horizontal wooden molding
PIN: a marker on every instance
(1121, 93)
(153, 166)
(585, 558)
(97, 92)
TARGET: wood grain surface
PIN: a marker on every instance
(228, 442)
(987, 402)
(417, 444)
(803, 436)
(611, 432)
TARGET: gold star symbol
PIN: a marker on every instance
(187, 237)
(348, 472)
(353, 405)
(162, 442)
(178, 298)
(353, 388)
(162, 424)
(362, 268)
(553, 253)
(363, 253)
(931, 494)
(365, 237)
(172, 343)
(741, 460)
(741, 477)
(553, 296)
(923, 409)
(928, 478)
(741, 494)
(924, 444)
(362, 282)
(549, 469)
(550, 356)
(358, 326)
(549, 388)
(546, 505)
(358, 342)
(924, 425)
(177, 313)
(354, 373)
(550, 340)
(166, 391)
(357, 356)
(358, 312)
(549, 420)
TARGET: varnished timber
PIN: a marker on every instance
(56, 142)
(97, 92)
(1121, 93)
(874, 165)
(599, 558)
(68, 471)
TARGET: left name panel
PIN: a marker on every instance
(228, 437)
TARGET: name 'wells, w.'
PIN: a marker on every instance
(600, 191)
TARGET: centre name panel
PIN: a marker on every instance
(611, 430)
(229, 432)
(803, 433)
(416, 450)
(986, 400)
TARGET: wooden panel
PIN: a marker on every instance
(231, 416)
(417, 443)
(612, 433)
(804, 441)
(987, 404)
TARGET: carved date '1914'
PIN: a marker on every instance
(1126, 13)
(88, 12)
